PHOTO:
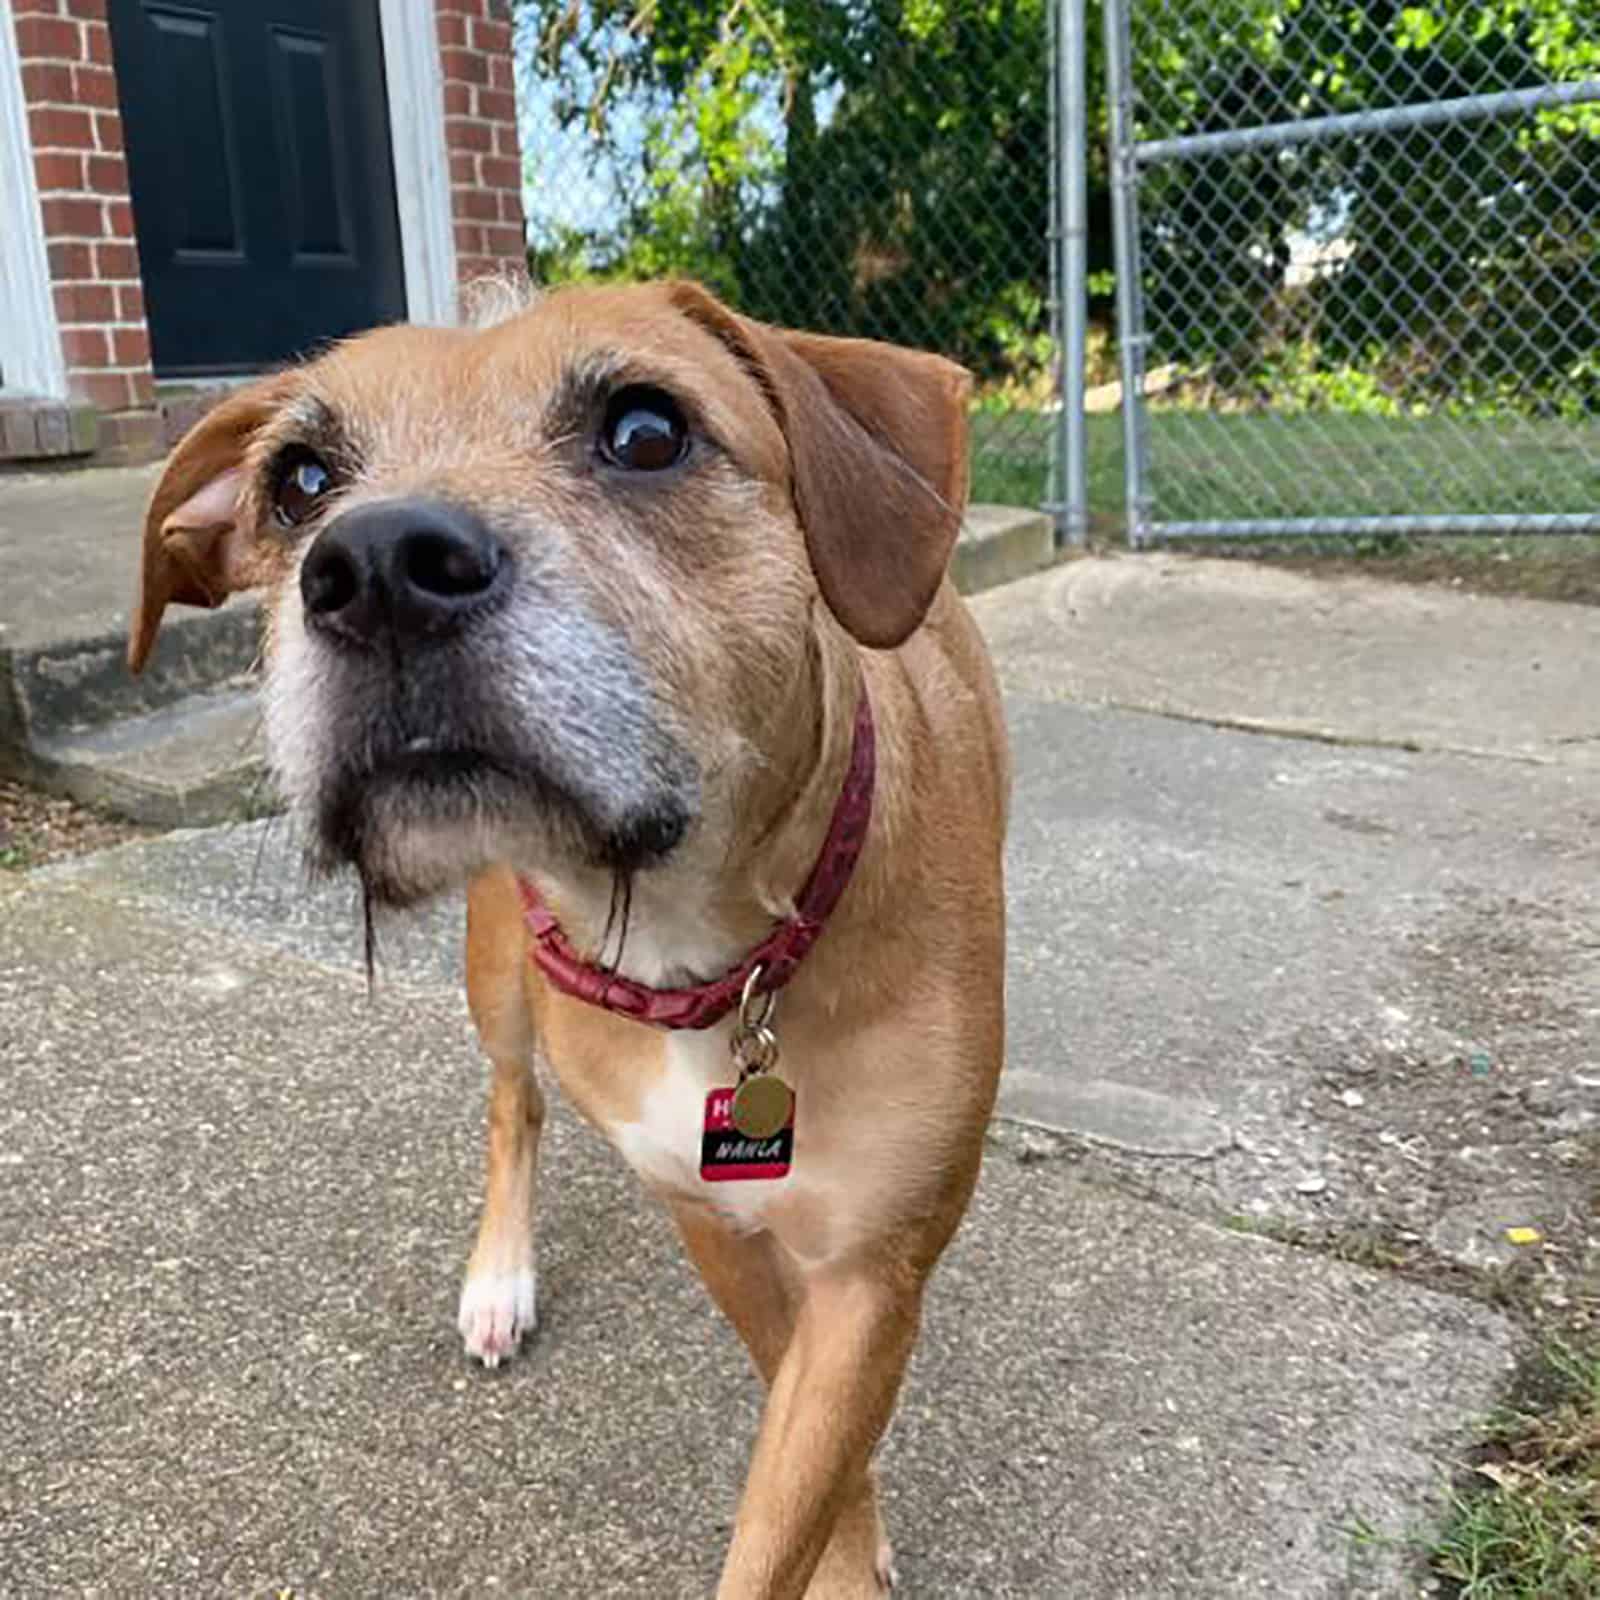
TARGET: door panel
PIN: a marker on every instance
(201, 187)
(263, 186)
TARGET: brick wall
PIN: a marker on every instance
(480, 130)
(76, 129)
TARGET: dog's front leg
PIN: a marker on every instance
(827, 1408)
(498, 1298)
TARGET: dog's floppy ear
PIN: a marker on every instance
(193, 543)
(878, 449)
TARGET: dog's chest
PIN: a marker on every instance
(663, 1142)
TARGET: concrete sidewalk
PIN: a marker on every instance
(238, 1193)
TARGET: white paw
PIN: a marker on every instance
(497, 1308)
(884, 1567)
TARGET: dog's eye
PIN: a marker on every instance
(644, 430)
(301, 480)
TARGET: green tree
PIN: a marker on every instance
(1469, 250)
(876, 166)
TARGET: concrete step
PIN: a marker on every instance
(178, 746)
(999, 544)
(190, 763)
(58, 686)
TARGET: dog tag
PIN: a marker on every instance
(761, 1105)
(727, 1154)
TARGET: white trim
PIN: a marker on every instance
(30, 343)
(421, 166)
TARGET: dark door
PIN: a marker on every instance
(259, 163)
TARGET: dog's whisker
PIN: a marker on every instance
(370, 941)
(261, 850)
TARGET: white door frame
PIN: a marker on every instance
(30, 342)
(415, 81)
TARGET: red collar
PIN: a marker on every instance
(778, 955)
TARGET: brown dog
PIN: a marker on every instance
(632, 615)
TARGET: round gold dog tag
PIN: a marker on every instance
(761, 1106)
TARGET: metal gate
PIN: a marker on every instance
(1358, 266)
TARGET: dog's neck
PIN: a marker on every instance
(698, 915)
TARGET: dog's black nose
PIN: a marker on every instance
(402, 568)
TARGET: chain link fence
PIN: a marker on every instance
(1359, 260)
(1357, 242)
(881, 170)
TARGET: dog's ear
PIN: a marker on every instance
(877, 441)
(194, 544)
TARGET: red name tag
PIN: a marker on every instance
(726, 1154)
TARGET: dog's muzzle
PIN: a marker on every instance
(448, 698)
(401, 570)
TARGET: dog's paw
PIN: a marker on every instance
(497, 1309)
(884, 1565)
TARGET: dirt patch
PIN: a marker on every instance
(37, 828)
(1562, 567)
(1456, 1140)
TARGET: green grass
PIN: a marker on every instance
(1527, 1525)
(1233, 466)
(1208, 466)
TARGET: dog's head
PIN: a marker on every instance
(538, 592)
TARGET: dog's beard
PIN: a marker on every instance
(418, 826)
(420, 773)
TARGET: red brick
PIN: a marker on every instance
(57, 128)
(511, 206)
(108, 175)
(464, 168)
(36, 8)
(452, 30)
(506, 142)
(130, 347)
(89, 10)
(46, 83)
(84, 302)
(460, 133)
(70, 262)
(119, 218)
(111, 391)
(85, 347)
(49, 39)
(115, 260)
(71, 216)
(497, 105)
(464, 8)
(464, 66)
(143, 386)
(108, 130)
(492, 37)
(469, 239)
(504, 241)
(58, 169)
(477, 205)
(457, 100)
(130, 302)
(502, 75)
(95, 86)
(469, 268)
(500, 173)
(97, 36)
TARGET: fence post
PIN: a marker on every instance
(1070, 269)
(1125, 242)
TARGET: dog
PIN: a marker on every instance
(632, 615)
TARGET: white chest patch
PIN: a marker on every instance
(663, 1145)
